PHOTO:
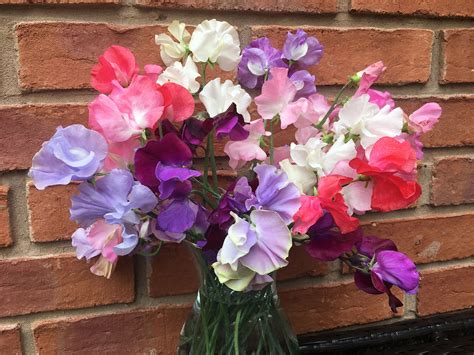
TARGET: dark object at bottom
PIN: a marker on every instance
(446, 334)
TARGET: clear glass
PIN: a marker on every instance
(223, 321)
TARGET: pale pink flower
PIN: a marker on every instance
(423, 119)
(304, 112)
(276, 94)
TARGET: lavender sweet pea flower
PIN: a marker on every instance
(304, 83)
(275, 193)
(257, 59)
(165, 165)
(303, 50)
(114, 198)
(73, 153)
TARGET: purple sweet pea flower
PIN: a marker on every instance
(275, 193)
(303, 50)
(231, 124)
(193, 131)
(330, 245)
(165, 166)
(114, 198)
(304, 83)
(257, 59)
(73, 153)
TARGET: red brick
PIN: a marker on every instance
(32, 285)
(56, 2)
(49, 213)
(438, 8)
(145, 331)
(429, 238)
(346, 51)
(457, 56)
(316, 308)
(446, 289)
(10, 340)
(308, 6)
(454, 128)
(32, 124)
(301, 264)
(5, 237)
(173, 260)
(451, 183)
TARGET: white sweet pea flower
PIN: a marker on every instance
(360, 117)
(183, 75)
(216, 42)
(302, 177)
(170, 50)
(217, 98)
(314, 155)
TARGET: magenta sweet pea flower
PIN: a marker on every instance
(302, 49)
(231, 124)
(165, 166)
(257, 59)
(73, 153)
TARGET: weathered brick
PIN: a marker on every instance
(301, 264)
(5, 236)
(10, 340)
(457, 55)
(144, 331)
(316, 308)
(429, 238)
(451, 183)
(33, 124)
(30, 285)
(57, 2)
(446, 289)
(454, 128)
(436, 8)
(349, 50)
(49, 213)
(173, 260)
(308, 6)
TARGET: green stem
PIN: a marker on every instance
(333, 106)
(210, 145)
(203, 74)
(206, 166)
(271, 142)
(207, 188)
(160, 130)
(236, 332)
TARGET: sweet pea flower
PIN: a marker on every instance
(217, 98)
(374, 70)
(179, 103)
(231, 124)
(303, 178)
(116, 64)
(259, 247)
(381, 98)
(304, 112)
(304, 83)
(302, 49)
(360, 117)
(114, 198)
(73, 153)
(424, 119)
(170, 228)
(241, 152)
(274, 193)
(257, 59)
(152, 71)
(98, 239)
(165, 166)
(391, 167)
(184, 75)
(276, 94)
(170, 50)
(216, 42)
(125, 113)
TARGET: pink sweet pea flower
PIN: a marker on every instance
(304, 112)
(368, 77)
(375, 70)
(179, 103)
(423, 119)
(127, 111)
(153, 71)
(121, 154)
(308, 214)
(116, 64)
(276, 94)
(241, 152)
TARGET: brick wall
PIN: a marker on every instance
(51, 303)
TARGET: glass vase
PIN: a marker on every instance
(223, 321)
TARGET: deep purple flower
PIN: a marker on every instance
(330, 245)
(257, 59)
(304, 83)
(73, 153)
(397, 269)
(275, 193)
(194, 131)
(165, 165)
(231, 124)
(114, 198)
(301, 49)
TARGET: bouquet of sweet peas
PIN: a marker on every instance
(148, 169)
